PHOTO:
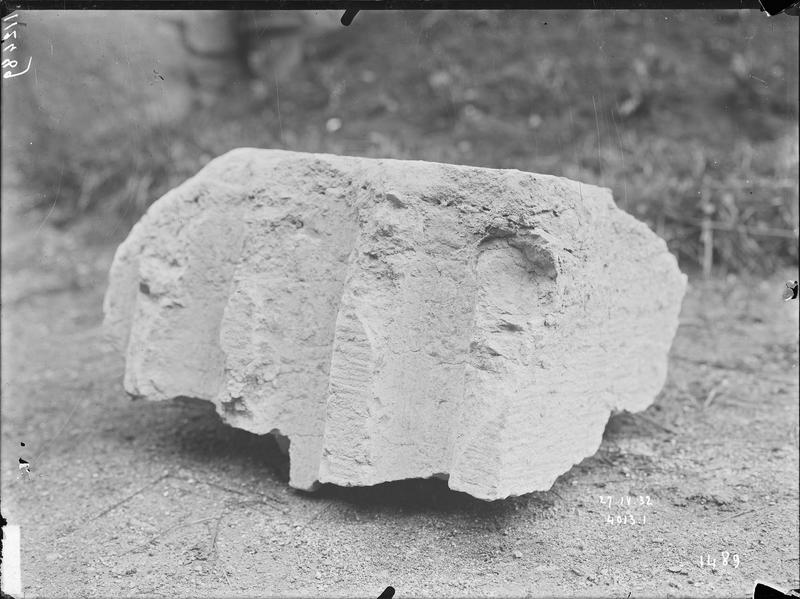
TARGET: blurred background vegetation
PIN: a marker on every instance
(690, 117)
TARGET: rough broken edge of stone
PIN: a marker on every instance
(528, 308)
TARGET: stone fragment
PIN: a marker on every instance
(398, 319)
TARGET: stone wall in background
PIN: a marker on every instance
(120, 71)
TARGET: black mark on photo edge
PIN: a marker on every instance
(763, 590)
(791, 290)
(3, 524)
(388, 593)
(775, 7)
(348, 16)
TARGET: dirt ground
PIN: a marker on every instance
(127, 498)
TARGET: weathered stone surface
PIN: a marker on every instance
(398, 319)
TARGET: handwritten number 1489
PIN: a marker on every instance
(726, 559)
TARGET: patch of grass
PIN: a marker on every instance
(689, 117)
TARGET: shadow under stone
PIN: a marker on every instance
(191, 431)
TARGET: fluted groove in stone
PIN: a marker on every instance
(398, 319)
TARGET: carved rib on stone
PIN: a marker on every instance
(398, 319)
